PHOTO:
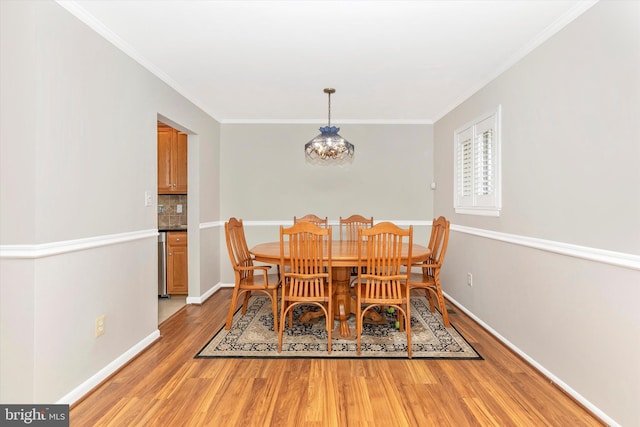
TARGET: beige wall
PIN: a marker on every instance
(570, 155)
(266, 180)
(77, 154)
(265, 175)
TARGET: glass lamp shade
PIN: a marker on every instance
(328, 145)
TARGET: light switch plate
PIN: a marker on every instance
(148, 198)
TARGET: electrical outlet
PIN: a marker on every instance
(100, 325)
(469, 279)
(178, 208)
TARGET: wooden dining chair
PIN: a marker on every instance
(349, 230)
(382, 280)
(248, 277)
(305, 265)
(349, 226)
(314, 219)
(429, 276)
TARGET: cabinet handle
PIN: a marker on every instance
(170, 254)
(178, 239)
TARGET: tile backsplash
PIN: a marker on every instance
(168, 207)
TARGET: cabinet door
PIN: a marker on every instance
(180, 164)
(165, 142)
(177, 263)
(172, 160)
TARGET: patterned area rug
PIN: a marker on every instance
(252, 336)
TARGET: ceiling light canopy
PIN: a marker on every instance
(329, 145)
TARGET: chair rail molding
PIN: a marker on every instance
(33, 251)
(42, 250)
(211, 224)
(619, 259)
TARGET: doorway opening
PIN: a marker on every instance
(172, 223)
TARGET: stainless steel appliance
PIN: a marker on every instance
(162, 265)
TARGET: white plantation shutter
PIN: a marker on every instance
(483, 178)
(464, 161)
(484, 168)
(477, 167)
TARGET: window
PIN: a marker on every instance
(477, 183)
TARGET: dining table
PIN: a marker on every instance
(344, 257)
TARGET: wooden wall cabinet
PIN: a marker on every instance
(172, 160)
(177, 263)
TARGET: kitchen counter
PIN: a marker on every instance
(172, 228)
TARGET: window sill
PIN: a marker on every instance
(479, 211)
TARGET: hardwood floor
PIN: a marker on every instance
(166, 386)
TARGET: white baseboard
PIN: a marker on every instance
(206, 295)
(87, 386)
(91, 383)
(561, 384)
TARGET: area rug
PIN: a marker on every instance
(252, 336)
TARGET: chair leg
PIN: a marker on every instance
(290, 318)
(329, 327)
(280, 329)
(443, 307)
(283, 312)
(232, 308)
(408, 328)
(358, 329)
(430, 299)
(245, 303)
(274, 308)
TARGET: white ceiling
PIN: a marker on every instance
(269, 61)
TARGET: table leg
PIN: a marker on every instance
(343, 304)
(341, 277)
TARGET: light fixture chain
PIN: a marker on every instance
(329, 109)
